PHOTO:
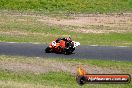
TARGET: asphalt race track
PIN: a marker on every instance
(87, 52)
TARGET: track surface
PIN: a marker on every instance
(87, 52)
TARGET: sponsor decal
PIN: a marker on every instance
(83, 78)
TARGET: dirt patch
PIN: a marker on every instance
(84, 30)
(115, 23)
(43, 66)
(24, 33)
(14, 33)
(95, 20)
(82, 23)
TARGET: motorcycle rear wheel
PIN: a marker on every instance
(66, 52)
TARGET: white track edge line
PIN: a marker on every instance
(45, 43)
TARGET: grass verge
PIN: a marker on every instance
(29, 29)
(57, 80)
(11, 72)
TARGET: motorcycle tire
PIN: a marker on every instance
(66, 52)
(48, 50)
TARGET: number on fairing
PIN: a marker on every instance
(53, 43)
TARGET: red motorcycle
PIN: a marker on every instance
(62, 47)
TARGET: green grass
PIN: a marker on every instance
(45, 34)
(114, 39)
(61, 79)
(100, 63)
(41, 61)
(68, 6)
(29, 29)
(51, 78)
(125, 66)
(58, 80)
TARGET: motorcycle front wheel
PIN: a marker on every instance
(48, 50)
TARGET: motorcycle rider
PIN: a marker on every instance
(63, 45)
(68, 40)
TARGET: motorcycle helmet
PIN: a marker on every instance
(68, 39)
